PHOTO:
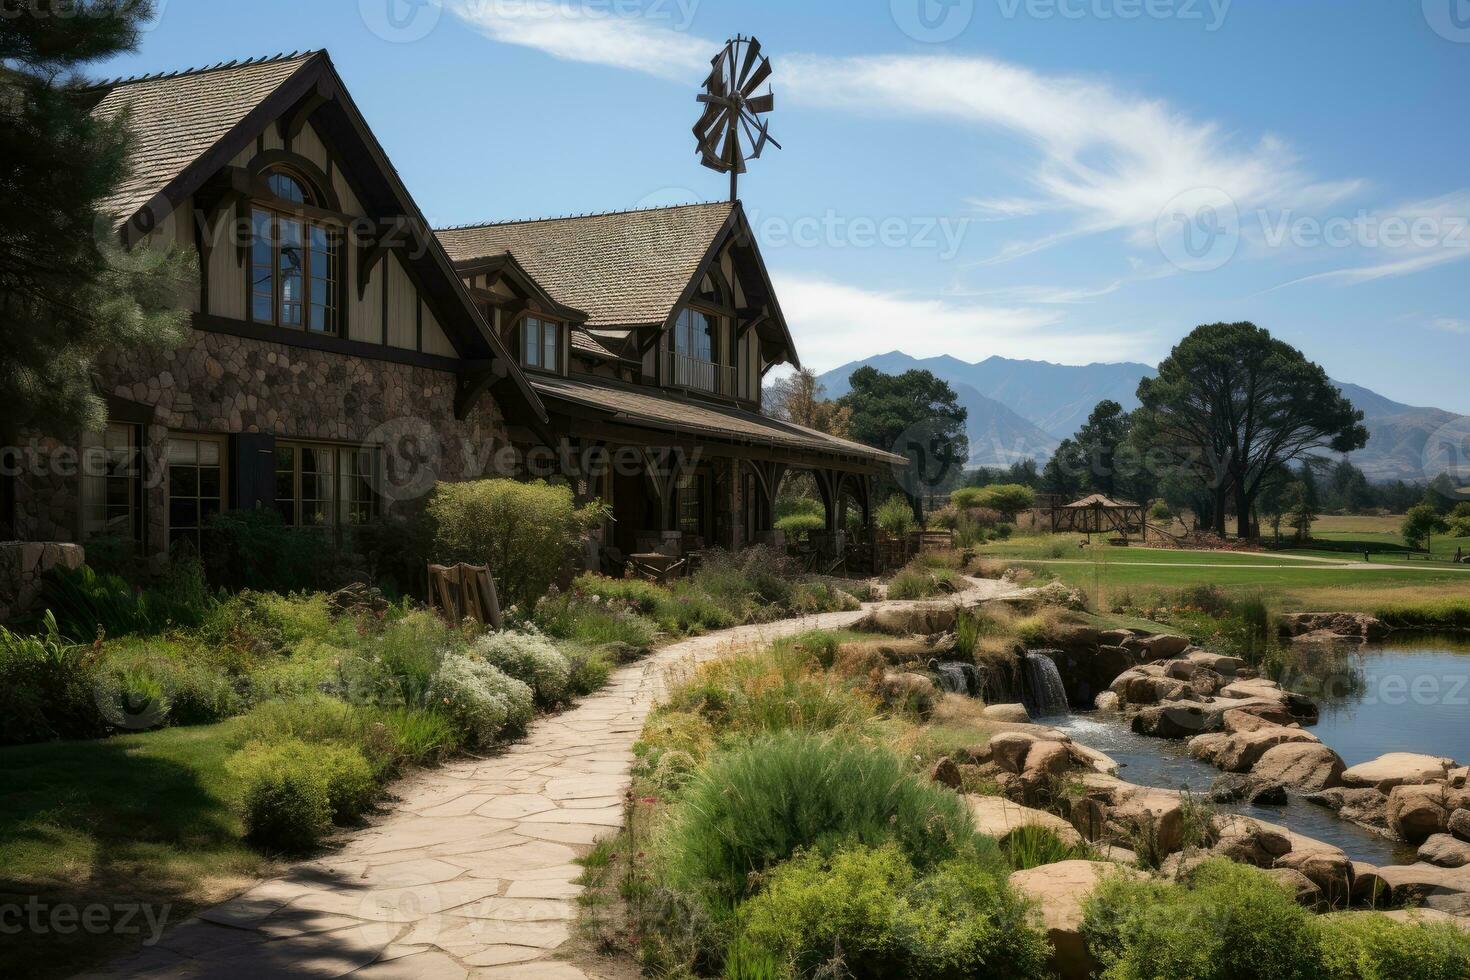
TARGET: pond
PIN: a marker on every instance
(1407, 694)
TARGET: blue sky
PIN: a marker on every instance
(1067, 180)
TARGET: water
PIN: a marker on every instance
(1043, 691)
(1408, 694)
(958, 678)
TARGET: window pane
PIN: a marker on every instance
(285, 186)
(533, 342)
(262, 268)
(292, 269)
(550, 356)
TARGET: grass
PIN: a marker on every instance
(137, 818)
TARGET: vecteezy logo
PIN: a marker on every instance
(400, 21)
(412, 456)
(1447, 450)
(1450, 19)
(1199, 230)
(932, 21)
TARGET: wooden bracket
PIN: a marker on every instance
(478, 378)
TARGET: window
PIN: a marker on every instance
(691, 505)
(294, 264)
(325, 486)
(694, 335)
(112, 477)
(541, 344)
(195, 487)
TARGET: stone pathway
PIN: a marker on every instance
(471, 873)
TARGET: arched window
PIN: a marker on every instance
(294, 270)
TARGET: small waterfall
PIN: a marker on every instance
(958, 678)
(1043, 691)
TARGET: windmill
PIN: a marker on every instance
(732, 110)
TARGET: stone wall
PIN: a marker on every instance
(222, 384)
(21, 565)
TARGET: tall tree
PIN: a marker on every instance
(913, 414)
(68, 290)
(799, 398)
(1233, 402)
(1099, 440)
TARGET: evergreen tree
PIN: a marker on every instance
(68, 289)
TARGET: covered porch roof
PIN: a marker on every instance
(641, 415)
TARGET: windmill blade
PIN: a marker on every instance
(707, 119)
(733, 157)
(708, 133)
(761, 103)
(761, 73)
(752, 52)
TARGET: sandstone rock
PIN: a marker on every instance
(1397, 769)
(1073, 637)
(1140, 688)
(1369, 888)
(1206, 747)
(1415, 883)
(1305, 767)
(1107, 701)
(1152, 814)
(1220, 663)
(907, 688)
(917, 619)
(1114, 638)
(1006, 712)
(947, 773)
(1060, 890)
(1459, 778)
(1251, 841)
(1416, 812)
(1445, 851)
(1459, 824)
(1359, 625)
(1242, 750)
(1306, 890)
(995, 816)
(1178, 719)
(1160, 646)
(1428, 917)
(1302, 709)
(1008, 750)
(1046, 763)
(1088, 757)
(1327, 867)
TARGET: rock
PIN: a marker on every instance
(1008, 750)
(1046, 764)
(1114, 638)
(1250, 841)
(1327, 867)
(1459, 778)
(1205, 747)
(1152, 814)
(1445, 851)
(996, 816)
(1254, 718)
(913, 619)
(1415, 883)
(1179, 719)
(1160, 646)
(1427, 917)
(1302, 709)
(1359, 625)
(1305, 767)
(1107, 701)
(914, 690)
(1006, 712)
(1242, 750)
(1074, 637)
(1306, 890)
(1459, 824)
(1233, 787)
(1134, 687)
(1397, 769)
(947, 773)
(1089, 757)
(1417, 812)
(1369, 888)
(1060, 890)
(1220, 663)
(1117, 854)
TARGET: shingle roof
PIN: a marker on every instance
(626, 268)
(177, 117)
(648, 408)
(584, 341)
(1099, 500)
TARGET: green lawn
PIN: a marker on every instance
(134, 819)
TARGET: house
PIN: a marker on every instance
(343, 357)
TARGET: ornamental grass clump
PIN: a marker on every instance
(290, 792)
(755, 806)
(528, 658)
(482, 698)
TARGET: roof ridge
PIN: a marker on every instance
(575, 217)
(268, 59)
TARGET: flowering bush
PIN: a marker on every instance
(528, 658)
(480, 696)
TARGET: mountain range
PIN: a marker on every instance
(1019, 409)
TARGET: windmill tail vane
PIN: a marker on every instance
(731, 129)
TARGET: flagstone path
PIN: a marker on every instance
(470, 873)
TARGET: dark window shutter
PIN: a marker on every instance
(253, 469)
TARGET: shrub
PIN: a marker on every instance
(587, 618)
(409, 650)
(318, 719)
(639, 595)
(867, 908)
(290, 791)
(1370, 946)
(86, 602)
(528, 658)
(256, 549)
(480, 697)
(396, 548)
(799, 524)
(590, 667)
(525, 531)
(895, 515)
(48, 688)
(421, 736)
(188, 691)
(1226, 921)
(755, 806)
(1007, 498)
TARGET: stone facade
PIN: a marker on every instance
(226, 385)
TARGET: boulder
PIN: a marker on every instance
(947, 773)
(1327, 867)
(1359, 625)
(1369, 888)
(1075, 638)
(1417, 883)
(1459, 824)
(1114, 638)
(1136, 687)
(1151, 814)
(1417, 812)
(912, 619)
(1220, 663)
(1306, 890)
(1397, 769)
(1047, 762)
(1177, 719)
(915, 690)
(1459, 778)
(1008, 750)
(1006, 712)
(1107, 701)
(1060, 891)
(1159, 646)
(996, 816)
(1235, 787)
(1301, 708)
(1305, 767)
(1240, 751)
(1427, 917)
(1250, 841)
(1205, 747)
(1445, 851)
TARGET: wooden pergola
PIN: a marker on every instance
(1097, 514)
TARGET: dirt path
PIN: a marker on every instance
(470, 872)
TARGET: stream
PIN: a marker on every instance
(1408, 694)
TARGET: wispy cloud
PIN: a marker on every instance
(835, 320)
(1109, 159)
(1397, 241)
(1449, 324)
(654, 42)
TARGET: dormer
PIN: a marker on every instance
(529, 321)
